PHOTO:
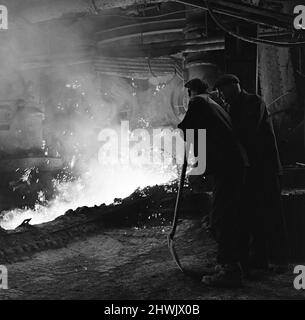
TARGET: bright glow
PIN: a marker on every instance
(97, 185)
(76, 119)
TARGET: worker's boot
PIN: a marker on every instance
(227, 275)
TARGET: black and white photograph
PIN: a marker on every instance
(152, 153)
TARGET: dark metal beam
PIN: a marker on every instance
(164, 48)
(244, 11)
(140, 29)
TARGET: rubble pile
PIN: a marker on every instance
(146, 207)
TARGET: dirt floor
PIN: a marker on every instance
(132, 264)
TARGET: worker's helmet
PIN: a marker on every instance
(197, 85)
(225, 80)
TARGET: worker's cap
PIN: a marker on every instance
(197, 85)
(226, 79)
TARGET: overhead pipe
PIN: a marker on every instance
(246, 12)
(140, 30)
(187, 42)
(162, 48)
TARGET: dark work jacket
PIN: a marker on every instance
(224, 153)
(254, 128)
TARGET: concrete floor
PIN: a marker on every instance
(132, 264)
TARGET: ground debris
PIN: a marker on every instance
(151, 206)
(134, 263)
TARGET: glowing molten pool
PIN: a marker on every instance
(96, 186)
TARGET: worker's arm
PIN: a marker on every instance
(189, 120)
(187, 123)
(194, 119)
(196, 116)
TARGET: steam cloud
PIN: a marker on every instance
(54, 104)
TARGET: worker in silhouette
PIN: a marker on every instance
(226, 161)
(264, 214)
